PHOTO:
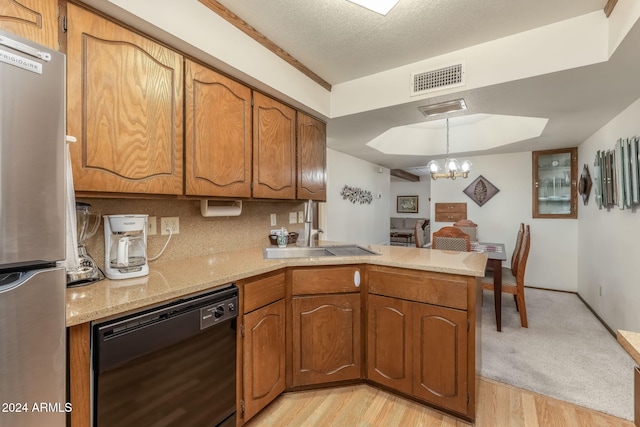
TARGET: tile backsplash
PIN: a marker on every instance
(198, 235)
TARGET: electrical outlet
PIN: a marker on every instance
(273, 219)
(600, 290)
(152, 226)
(172, 222)
(293, 217)
(300, 217)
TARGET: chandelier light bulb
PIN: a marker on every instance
(433, 166)
(466, 166)
(452, 165)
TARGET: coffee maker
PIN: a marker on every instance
(87, 271)
(125, 240)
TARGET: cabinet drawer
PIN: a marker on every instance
(326, 280)
(451, 212)
(445, 290)
(262, 291)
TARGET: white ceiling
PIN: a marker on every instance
(341, 41)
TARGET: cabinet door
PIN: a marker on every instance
(274, 149)
(440, 356)
(36, 20)
(389, 343)
(326, 339)
(124, 104)
(555, 183)
(263, 357)
(312, 158)
(217, 134)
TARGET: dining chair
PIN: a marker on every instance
(418, 232)
(513, 277)
(469, 227)
(451, 238)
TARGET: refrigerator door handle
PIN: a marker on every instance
(6, 41)
(12, 280)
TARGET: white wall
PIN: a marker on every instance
(355, 223)
(552, 260)
(422, 189)
(608, 250)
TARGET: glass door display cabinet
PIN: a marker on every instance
(555, 178)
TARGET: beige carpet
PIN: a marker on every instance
(565, 353)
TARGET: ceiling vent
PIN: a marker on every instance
(443, 107)
(442, 78)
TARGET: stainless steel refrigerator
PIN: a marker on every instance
(32, 235)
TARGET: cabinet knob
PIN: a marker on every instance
(356, 278)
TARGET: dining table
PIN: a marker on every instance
(495, 255)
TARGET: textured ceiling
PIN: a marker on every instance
(341, 41)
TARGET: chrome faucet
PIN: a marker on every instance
(309, 231)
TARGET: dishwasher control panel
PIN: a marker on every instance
(218, 312)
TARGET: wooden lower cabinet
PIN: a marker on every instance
(326, 339)
(440, 356)
(263, 357)
(389, 343)
(418, 349)
(421, 336)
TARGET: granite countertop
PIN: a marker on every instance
(174, 279)
(631, 342)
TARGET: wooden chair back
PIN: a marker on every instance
(451, 238)
(523, 256)
(469, 227)
(516, 250)
(418, 233)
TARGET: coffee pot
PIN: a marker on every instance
(125, 252)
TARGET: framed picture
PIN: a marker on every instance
(407, 204)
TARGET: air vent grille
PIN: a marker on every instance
(441, 78)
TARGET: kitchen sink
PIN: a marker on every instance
(316, 251)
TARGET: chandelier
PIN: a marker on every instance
(451, 169)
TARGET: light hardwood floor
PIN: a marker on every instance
(498, 405)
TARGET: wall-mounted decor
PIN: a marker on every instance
(407, 204)
(354, 194)
(584, 184)
(481, 190)
(617, 175)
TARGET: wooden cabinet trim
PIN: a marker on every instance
(80, 374)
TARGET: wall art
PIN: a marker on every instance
(481, 190)
(584, 184)
(407, 204)
(354, 194)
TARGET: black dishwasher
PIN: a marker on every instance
(173, 365)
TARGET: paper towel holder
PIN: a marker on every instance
(209, 208)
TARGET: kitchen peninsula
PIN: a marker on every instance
(431, 296)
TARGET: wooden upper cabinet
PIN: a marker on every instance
(555, 183)
(312, 158)
(36, 20)
(217, 134)
(274, 149)
(124, 104)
